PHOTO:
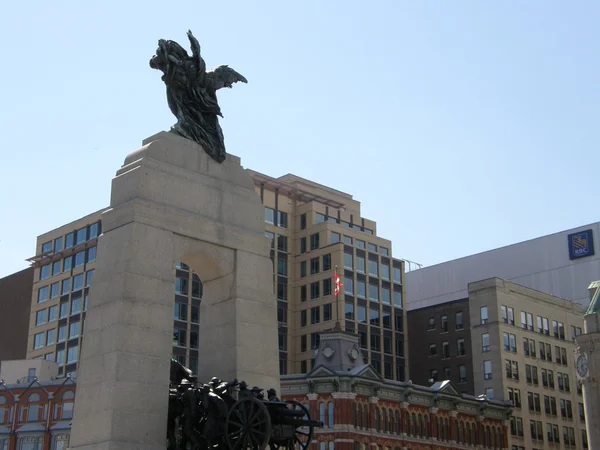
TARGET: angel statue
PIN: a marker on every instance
(192, 93)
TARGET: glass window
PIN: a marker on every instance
(362, 289)
(335, 237)
(54, 290)
(303, 245)
(462, 373)
(327, 286)
(52, 313)
(282, 219)
(66, 286)
(64, 310)
(47, 247)
(314, 290)
(40, 317)
(348, 261)
(269, 215)
(271, 237)
(43, 294)
(69, 240)
(60, 355)
(359, 243)
(88, 277)
(319, 218)
(44, 272)
(485, 342)
(349, 311)
(326, 262)
(348, 285)
(180, 312)
(94, 230)
(397, 275)
(385, 271)
(373, 268)
(78, 282)
(398, 299)
(75, 306)
(384, 251)
(361, 314)
(67, 264)
(56, 265)
(282, 266)
(181, 285)
(314, 265)
(373, 292)
(459, 321)
(327, 312)
(282, 243)
(484, 314)
(39, 340)
(74, 328)
(72, 354)
(193, 339)
(303, 221)
(347, 240)
(374, 317)
(372, 247)
(487, 370)
(79, 259)
(81, 236)
(195, 314)
(58, 244)
(360, 264)
(91, 254)
(385, 296)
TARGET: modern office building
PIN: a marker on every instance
(15, 304)
(314, 230)
(561, 264)
(514, 344)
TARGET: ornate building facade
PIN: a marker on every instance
(36, 415)
(361, 410)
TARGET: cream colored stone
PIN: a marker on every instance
(171, 202)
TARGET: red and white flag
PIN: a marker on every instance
(336, 277)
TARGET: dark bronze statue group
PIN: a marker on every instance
(232, 416)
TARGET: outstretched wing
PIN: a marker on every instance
(195, 45)
(223, 76)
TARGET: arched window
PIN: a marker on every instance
(322, 413)
(413, 424)
(426, 425)
(494, 438)
(331, 445)
(360, 416)
(499, 439)
(330, 408)
(391, 419)
(438, 428)
(3, 400)
(473, 435)
(398, 424)
(367, 422)
(356, 445)
(422, 429)
(355, 415)
(33, 397)
(322, 445)
(488, 432)
(376, 419)
(461, 432)
(68, 395)
(446, 429)
(468, 434)
(384, 420)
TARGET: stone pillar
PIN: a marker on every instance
(171, 202)
(432, 425)
(453, 417)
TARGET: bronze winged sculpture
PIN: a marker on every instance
(192, 93)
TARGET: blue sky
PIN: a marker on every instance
(460, 126)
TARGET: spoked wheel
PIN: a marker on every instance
(248, 425)
(302, 435)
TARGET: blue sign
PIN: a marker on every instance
(581, 244)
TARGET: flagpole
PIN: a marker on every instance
(336, 276)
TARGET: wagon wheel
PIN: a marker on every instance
(302, 435)
(248, 425)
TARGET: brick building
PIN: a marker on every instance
(15, 304)
(35, 415)
(361, 409)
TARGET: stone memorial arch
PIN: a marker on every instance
(170, 202)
